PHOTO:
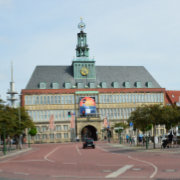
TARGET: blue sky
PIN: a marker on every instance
(120, 32)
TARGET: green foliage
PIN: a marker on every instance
(120, 124)
(145, 117)
(32, 131)
(14, 121)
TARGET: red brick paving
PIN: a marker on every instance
(70, 161)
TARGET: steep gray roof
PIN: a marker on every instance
(108, 74)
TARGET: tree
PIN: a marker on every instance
(119, 127)
(32, 131)
(148, 116)
(171, 116)
(14, 121)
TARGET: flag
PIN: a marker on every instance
(51, 122)
(72, 121)
(106, 122)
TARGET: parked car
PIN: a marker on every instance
(88, 143)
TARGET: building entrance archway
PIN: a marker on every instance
(89, 132)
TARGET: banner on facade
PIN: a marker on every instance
(106, 123)
(72, 123)
(87, 105)
(51, 122)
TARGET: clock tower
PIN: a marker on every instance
(83, 66)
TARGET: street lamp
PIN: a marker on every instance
(4, 133)
(19, 114)
(4, 136)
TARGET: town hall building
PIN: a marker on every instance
(74, 100)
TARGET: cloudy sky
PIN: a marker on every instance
(120, 32)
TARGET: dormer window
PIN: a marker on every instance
(55, 86)
(92, 85)
(138, 84)
(42, 85)
(80, 85)
(149, 84)
(115, 85)
(103, 85)
(67, 85)
(127, 84)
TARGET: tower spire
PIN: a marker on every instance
(12, 71)
(12, 91)
(82, 49)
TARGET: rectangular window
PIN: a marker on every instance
(143, 100)
(26, 100)
(41, 99)
(162, 97)
(127, 98)
(65, 100)
(58, 128)
(120, 98)
(104, 98)
(45, 102)
(34, 100)
(117, 98)
(100, 98)
(48, 100)
(123, 98)
(37, 99)
(44, 128)
(58, 99)
(44, 136)
(65, 127)
(114, 98)
(62, 99)
(58, 136)
(37, 137)
(52, 99)
(51, 136)
(66, 136)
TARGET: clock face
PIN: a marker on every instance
(84, 71)
(81, 26)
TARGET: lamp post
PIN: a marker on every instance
(28, 135)
(4, 132)
(4, 136)
(19, 114)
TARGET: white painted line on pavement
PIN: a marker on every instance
(46, 157)
(70, 163)
(119, 171)
(149, 163)
(22, 161)
(22, 173)
(102, 149)
(109, 165)
(79, 152)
